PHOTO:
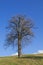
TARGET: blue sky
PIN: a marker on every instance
(32, 9)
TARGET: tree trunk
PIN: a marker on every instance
(19, 46)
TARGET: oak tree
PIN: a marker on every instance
(19, 28)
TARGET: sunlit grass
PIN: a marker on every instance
(24, 60)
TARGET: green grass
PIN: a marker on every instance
(24, 60)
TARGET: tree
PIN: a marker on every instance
(19, 27)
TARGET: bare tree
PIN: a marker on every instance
(19, 27)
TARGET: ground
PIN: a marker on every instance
(24, 60)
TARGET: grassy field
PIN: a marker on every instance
(24, 60)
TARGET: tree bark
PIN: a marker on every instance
(19, 46)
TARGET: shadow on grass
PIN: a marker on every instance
(33, 57)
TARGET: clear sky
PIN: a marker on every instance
(30, 8)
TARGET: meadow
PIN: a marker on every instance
(31, 59)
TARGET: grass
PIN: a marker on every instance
(24, 60)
